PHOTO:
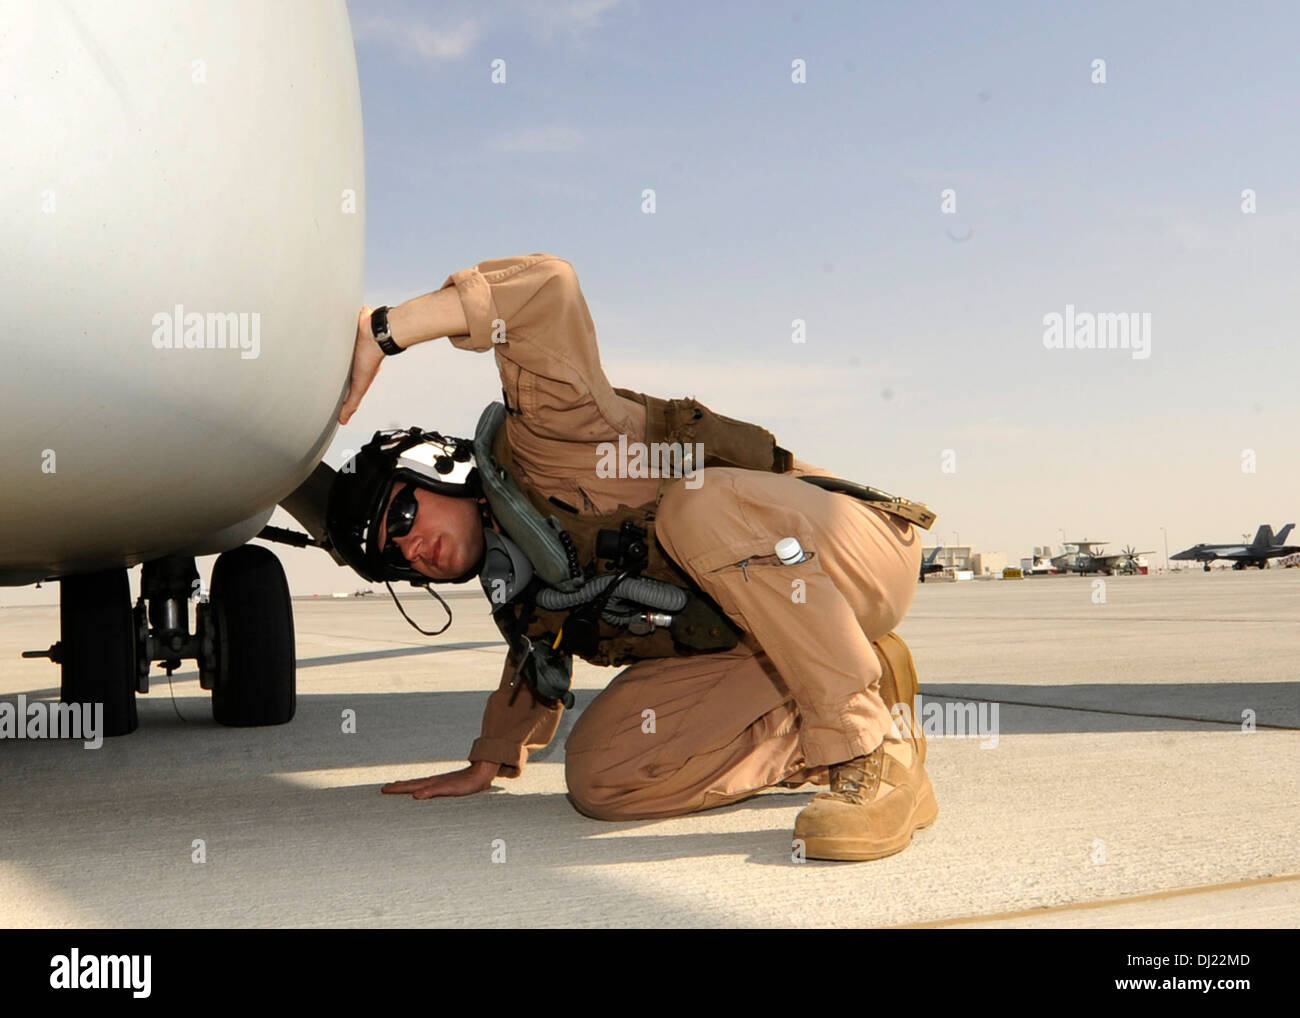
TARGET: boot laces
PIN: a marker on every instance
(856, 780)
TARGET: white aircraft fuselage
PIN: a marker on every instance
(183, 208)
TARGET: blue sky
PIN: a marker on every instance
(821, 201)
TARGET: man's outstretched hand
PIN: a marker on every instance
(366, 358)
(466, 781)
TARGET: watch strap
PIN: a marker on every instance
(379, 329)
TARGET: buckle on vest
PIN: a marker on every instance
(914, 512)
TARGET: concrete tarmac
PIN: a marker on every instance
(1143, 771)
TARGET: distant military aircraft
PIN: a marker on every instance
(1081, 560)
(1127, 561)
(928, 563)
(1040, 565)
(1257, 553)
(1085, 559)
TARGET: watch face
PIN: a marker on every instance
(379, 324)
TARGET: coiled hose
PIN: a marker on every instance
(625, 602)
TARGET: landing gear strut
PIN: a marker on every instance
(163, 629)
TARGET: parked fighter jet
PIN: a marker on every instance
(928, 563)
(1257, 553)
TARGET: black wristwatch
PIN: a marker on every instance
(379, 329)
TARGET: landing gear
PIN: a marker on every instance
(163, 629)
(243, 639)
(247, 655)
(1206, 567)
(97, 646)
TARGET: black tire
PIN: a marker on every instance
(97, 636)
(255, 681)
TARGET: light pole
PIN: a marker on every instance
(1166, 537)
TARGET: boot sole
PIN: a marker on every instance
(864, 849)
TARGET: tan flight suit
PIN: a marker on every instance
(802, 689)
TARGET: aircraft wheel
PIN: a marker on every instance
(1206, 567)
(250, 640)
(97, 646)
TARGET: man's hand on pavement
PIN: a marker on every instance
(466, 781)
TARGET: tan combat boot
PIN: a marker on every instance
(875, 804)
(876, 801)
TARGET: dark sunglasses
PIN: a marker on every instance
(398, 523)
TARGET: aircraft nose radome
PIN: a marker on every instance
(193, 367)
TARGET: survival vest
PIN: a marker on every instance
(571, 552)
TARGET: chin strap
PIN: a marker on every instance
(414, 624)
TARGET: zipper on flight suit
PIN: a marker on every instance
(768, 559)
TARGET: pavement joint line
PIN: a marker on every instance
(1103, 710)
(1101, 618)
(1078, 906)
(367, 639)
